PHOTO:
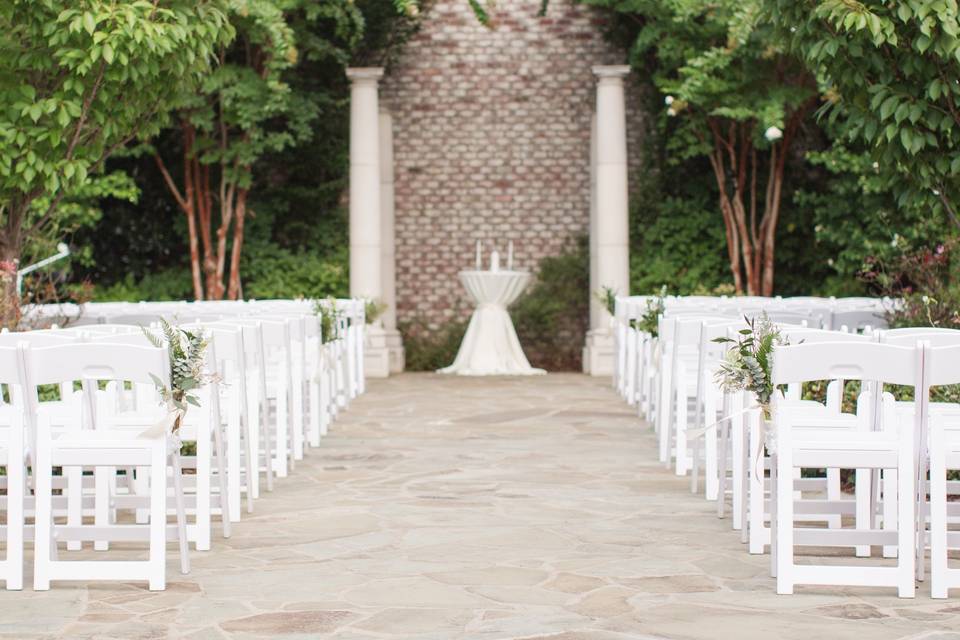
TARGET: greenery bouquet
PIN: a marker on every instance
(186, 351)
(746, 365)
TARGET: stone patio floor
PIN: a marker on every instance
(493, 508)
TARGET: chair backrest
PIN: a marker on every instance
(942, 364)
(858, 319)
(798, 335)
(935, 336)
(96, 361)
(36, 338)
(847, 361)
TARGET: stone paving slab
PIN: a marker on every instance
(442, 508)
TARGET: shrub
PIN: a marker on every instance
(926, 283)
(429, 350)
(169, 284)
(552, 317)
(274, 272)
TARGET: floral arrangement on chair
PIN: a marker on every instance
(327, 315)
(186, 351)
(746, 365)
(649, 322)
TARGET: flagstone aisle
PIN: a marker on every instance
(449, 508)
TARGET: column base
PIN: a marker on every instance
(383, 352)
(598, 353)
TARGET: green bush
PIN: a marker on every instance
(553, 316)
(274, 272)
(170, 284)
(429, 350)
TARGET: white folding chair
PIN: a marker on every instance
(13, 458)
(809, 440)
(107, 446)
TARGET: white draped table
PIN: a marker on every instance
(490, 346)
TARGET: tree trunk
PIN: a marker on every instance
(234, 292)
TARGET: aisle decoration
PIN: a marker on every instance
(186, 350)
(746, 365)
(649, 322)
(327, 316)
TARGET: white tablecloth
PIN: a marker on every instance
(490, 346)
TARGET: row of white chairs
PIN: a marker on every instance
(897, 448)
(90, 453)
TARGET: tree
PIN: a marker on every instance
(79, 80)
(889, 71)
(245, 109)
(731, 95)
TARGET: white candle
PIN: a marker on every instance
(479, 259)
(494, 261)
(510, 256)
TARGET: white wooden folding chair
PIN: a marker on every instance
(13, 458)
(107, 446)
(811, 440)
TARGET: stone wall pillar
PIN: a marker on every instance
(609, 242)
(366, 275)
(388, 258)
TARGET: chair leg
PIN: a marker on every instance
(939, 566)
(757, 488)
(15, 492)
(73, 476)
(181, 514)
(784, 526)
(252, 457)
(833, 494)
(906, 531)
(226, 508)
(101, 515)
(234, 492)
(43, 520)
(724, 446)
(267, 442)
(158, 519)
(774, 481)
(890, 509)
(863, 507)
(202, 515)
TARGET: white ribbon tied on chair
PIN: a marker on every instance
(164, 427)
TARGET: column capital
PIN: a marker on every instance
(359, 75)
(611, 71)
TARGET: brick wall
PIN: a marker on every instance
(491, 142)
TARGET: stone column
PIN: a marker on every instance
(610, 229)
(388, 258)
(365, 222)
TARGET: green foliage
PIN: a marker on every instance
(186, 350)
(607, 296)
(427, 349)
(746, 365)
(274, 272)
(296, 225)
(373, 309)
(328, 318)
(673, 219)
(649, 322)
(927, 282)
(552, 317)
(850, 185)
(168, 284)
(81, 79)
(889, 70)
(731, 96)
